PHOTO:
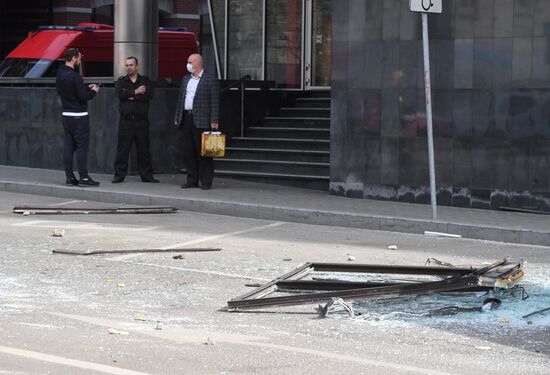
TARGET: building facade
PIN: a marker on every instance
(490, 77)
(491, 100)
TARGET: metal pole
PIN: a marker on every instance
(242, 107)
(428, 88)
(214, 38)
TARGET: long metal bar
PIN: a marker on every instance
(225, 40)
(448, 285)
(264, 36)
(135, 251)
(302, 285)
(491, 266)
(402, 270)
(523, 210)
(428, 89)
(242, 106)
(83, 210)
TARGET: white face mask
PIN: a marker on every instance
(190, 68)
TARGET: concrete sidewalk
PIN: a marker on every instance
(273, 202)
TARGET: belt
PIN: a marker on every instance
(188, 111)
(75, 114)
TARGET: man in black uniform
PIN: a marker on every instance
(74, 96)
(134, 91)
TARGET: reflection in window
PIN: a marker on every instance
(245, 44)
(284, 42)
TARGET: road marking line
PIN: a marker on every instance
(233, 275)
(206, 239)
(64, 203)
(195, 336)
(81, 225)
(68, 362)
(215, 237)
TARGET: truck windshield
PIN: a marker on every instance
(29, 68)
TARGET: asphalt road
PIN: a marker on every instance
(57, 311)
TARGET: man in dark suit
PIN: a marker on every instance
(197, 111)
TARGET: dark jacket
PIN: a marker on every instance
(206, 103)
(132, 106)
(72, 90)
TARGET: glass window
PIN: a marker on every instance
(284, 42)
(29, 68)
(245, 39)
(321, 43)
(14, 68)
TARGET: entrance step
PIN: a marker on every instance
(273, 166)
(278, 154)
(304, 181)
(298, 122)
(312, 103)
(281, 143)
(292, 148)
(291, 132)
(305, 112)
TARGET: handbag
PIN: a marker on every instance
(213, 144)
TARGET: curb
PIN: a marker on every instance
(279, 213)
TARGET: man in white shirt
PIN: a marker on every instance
(197, 111)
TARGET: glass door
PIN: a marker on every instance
(318, 42)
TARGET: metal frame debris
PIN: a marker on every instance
(28, 210)
(500, 274)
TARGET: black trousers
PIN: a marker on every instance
(77, 139)
(198, 168)
(130, 131)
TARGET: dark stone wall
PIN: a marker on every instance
(491, 101)
(31, 133)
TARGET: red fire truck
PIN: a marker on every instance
(41, 53)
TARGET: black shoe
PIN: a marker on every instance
(71, 181)
(206, 187)
(117, 180)
(150, 179)
(188, 185)
(87, 181)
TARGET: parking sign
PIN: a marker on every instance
(426, 6)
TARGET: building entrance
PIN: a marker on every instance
(285, 41)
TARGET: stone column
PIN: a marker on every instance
(136, 34)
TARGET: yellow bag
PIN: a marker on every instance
(213, 144)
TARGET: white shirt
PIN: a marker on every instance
(191, 90)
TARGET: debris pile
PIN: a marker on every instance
(303, 286)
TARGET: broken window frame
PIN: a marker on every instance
(455, 279)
